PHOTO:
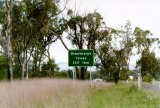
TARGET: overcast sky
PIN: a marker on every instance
(141, 13)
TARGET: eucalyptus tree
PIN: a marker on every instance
(126, 46)
(144, 42)
(6, 21)
(148, 64)
(84, 32)
(143, 39)
(111, 62)
(76, 34)
(114, 52)
(105, 57)
(34, 22)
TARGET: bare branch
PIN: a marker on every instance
(1, 10)
(59, 37)
(7, 4)
(63, 8)
(63, 43)
(10, 2)
(55, 39)
(48, 53)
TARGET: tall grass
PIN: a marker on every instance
(45, 93)
(64, 93)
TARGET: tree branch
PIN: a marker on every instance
(63, 43)
(63, 8)
(3, 12)
(58, 36)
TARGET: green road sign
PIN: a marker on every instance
(80, 58)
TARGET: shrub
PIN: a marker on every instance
(147, 78)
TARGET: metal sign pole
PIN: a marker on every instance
(90, 77)
(73, 73)
(75, 76)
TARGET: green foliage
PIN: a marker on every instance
(3, 67)
(2, 15)
(124, 74)
(97, 74)
(122, 96)
(16, 71)
(147, 78)
(143, 39)
(114, 51)
(32, 23)
(62, 74)
(70, 73)
(84, 32)
(49, 69)
(148, 64)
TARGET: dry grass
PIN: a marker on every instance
(45, 93)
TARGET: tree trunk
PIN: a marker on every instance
(77, 72)
(8, 38)
(49, 57)
(23, 69)
(83, 73)
(27, 60)
(27, 63)
(23, 64)
(39, 65)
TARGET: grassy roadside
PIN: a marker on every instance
(64, 93)
(123, 96)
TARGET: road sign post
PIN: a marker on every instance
(81, 58)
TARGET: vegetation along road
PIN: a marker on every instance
(63, 93)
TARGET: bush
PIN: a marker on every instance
(49, 68)
(62, 74)
(147, 78)
(3, 67)
(123, 74)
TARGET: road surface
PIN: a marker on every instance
(152, 87)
